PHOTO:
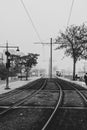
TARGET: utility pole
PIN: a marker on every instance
(8, 54)
(8, 62)
(50, 69)
(51, 58)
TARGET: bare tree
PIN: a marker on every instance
(74, 40)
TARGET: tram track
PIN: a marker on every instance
(41, 86)
(56, 106)
(53, 118)
(47, 92)
(18, 90)
(14, 93)
(77, 88)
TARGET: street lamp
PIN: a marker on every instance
(17, 49)
(8, 61)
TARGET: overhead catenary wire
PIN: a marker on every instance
(28, 14)
(70, 13)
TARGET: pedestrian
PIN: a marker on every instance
(85, 77)
(76, 76)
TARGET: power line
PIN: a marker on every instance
(28, 14)
(70, 12)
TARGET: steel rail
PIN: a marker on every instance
(24, 99)
(78, 91)
(16, 91)
(57, 106)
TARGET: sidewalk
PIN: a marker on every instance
(15, 84)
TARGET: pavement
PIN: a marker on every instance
(15, 84)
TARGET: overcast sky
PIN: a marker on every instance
(49, 16)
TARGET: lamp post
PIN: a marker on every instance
(1, 58)
(8, 62)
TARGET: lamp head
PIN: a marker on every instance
(17, 49)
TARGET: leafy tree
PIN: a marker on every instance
(74, 40)
(26, 62)
(15, 65)
(29, 61)
(3, 71)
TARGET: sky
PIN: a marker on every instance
(49, 17)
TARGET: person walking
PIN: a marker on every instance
(85, 77)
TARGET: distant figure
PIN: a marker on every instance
(85, 77)
(76, 76)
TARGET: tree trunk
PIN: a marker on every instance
(74, 68)
(26, 73)
(26, 77)
(21, 74)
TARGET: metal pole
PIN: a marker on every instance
(7, 79)
(2, 58)
(51, 58)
